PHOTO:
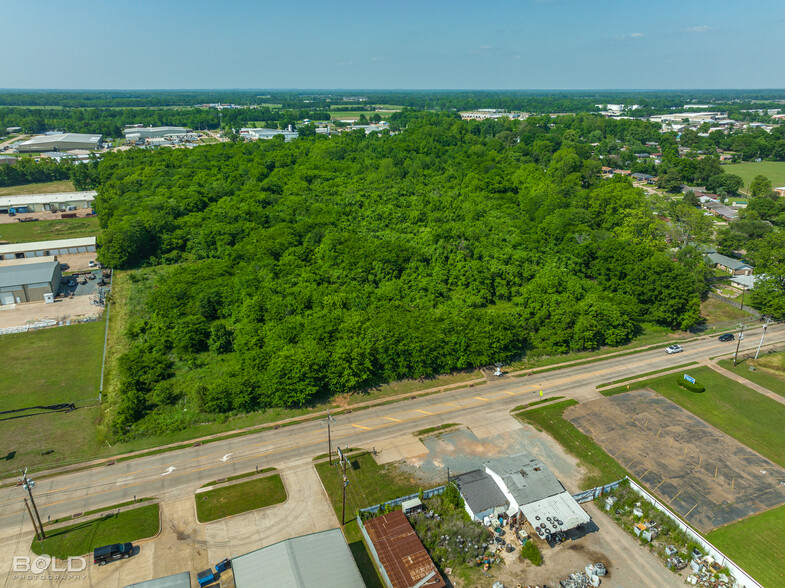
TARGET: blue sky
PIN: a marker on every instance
(398, 44)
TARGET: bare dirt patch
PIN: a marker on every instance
(706, 476)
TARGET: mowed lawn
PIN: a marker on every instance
(239, 498)
(48, 230)
(769, 379)
(40, 188)
(748, 416)
(756, 544)
(774, 170)
(82, 538)
(46, 367)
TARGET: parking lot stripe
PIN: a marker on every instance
(658, 485)
(689, 511)
(674, 498)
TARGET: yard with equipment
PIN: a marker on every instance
(44, 368)
(82, 538)
(234, 499)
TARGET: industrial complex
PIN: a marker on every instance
(60, 142)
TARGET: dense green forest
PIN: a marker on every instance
(276, 273)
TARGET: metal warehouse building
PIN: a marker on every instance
(46, 248)
(27, 280)
(20, 203)
(62, 142)
(135, 133)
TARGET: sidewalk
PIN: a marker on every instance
(748, 383)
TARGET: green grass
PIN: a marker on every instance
(774, 170)
(769, 379)
(370, 484)
(749, 417)
(82, 538)
(652, 373)
(239, 498)
(600, 467)
(41, 188)
(536, 402)
(46, 230)
(97, 510)
(45, 367)
(717, 312)
(238, 477)
(755, 544)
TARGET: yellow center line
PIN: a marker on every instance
(361, 427)
(451, 404)
(394, 420)
(481, 398)
(423, 411)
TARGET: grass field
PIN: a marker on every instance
(770, 379)
(49, 367)
(42, 188)
(600, 468)
(716, 312)
(239, 498)
(774, 170)
(47, 230)
(82, 538)
(369, 484)
(755, 544)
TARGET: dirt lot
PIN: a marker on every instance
(77, 262)
(707, 477)
(46, 215)
(72, 308)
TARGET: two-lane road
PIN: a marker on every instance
(177, 473)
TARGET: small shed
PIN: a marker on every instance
(411, 506)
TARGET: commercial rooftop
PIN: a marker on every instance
(35, 271)
(480, 491)
(60, 141)
(319, 560)
(400, 552)
(57, 197)
(558, 513)
(526, 477)
(182, 580)
(48, 245)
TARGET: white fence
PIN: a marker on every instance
(742, 577)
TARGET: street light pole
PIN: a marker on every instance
(329, 420)
(28, 485)
(741, 334)
(765, 326)
(30, 512)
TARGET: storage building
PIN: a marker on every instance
(181, 580)
(46, 248)
(60, 142)
(27, 280)
(21, 203)
(318, 560)
(141, 133)
(254, 134)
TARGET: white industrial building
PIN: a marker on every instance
(60, 142)
(47, 248)
(520, 486)
(59, 201)
(254, 134)
(141, 133)
(29, 280)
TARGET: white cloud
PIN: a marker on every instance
(636, 35)
(700, 29)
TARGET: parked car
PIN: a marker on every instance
(107, 553)
(674, 349)
(91, 263)
(727, 337)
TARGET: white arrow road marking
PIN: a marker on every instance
(227, 456)
(169, 471)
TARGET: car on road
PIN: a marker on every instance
(107, 553)
(727, 337)
(674, 349)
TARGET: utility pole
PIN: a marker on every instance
(28, 485)
(343, 501)
(30, 512)
(765, 326)
(329, 420)
(741, 335)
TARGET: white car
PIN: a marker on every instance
(674, 349)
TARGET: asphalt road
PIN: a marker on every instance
(176, 474)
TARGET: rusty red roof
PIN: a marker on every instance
(400, 551)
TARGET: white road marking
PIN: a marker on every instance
(227, 456)
(169, 471)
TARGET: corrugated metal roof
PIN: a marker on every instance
(400, 551)
(29, 273)
(44, 245)
(526, 477)
(479, 491)
(75, 137)
(562, 510)
(55, 197)
(182, 580)
(319, 560)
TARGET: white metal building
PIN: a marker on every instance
(27, 280)
(60, 142)
(21, 203)
(268, 134)
(47, 248)
(137, 133)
